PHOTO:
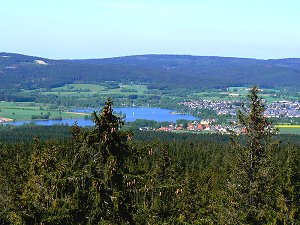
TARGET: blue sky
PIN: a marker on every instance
(108, 28)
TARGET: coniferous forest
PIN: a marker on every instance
(163, 72)
(106, 176)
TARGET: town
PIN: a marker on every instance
(203, 126)
(278, 109)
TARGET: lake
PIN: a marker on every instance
(132, 114)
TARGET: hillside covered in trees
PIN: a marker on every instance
(104, 176)
(157, 71)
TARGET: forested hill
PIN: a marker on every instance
(157, 71)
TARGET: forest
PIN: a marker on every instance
(163, 72)
(104, 175)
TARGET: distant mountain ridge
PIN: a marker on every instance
(157, 71)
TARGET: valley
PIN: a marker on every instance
(59, 104)
(214, 88)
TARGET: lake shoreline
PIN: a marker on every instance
(131, 114)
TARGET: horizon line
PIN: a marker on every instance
(149, 54)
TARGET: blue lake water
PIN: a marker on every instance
(132, 114)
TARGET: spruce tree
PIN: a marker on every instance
(252, 172)
(107, 167)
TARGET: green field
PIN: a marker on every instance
(244, 91)
(210, 96)
(233, 93)
(78, 87)
(288, 129)
(86, 90)
(238, 90)
(25, 111)
(104, 90)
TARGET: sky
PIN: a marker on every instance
(69, 29)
